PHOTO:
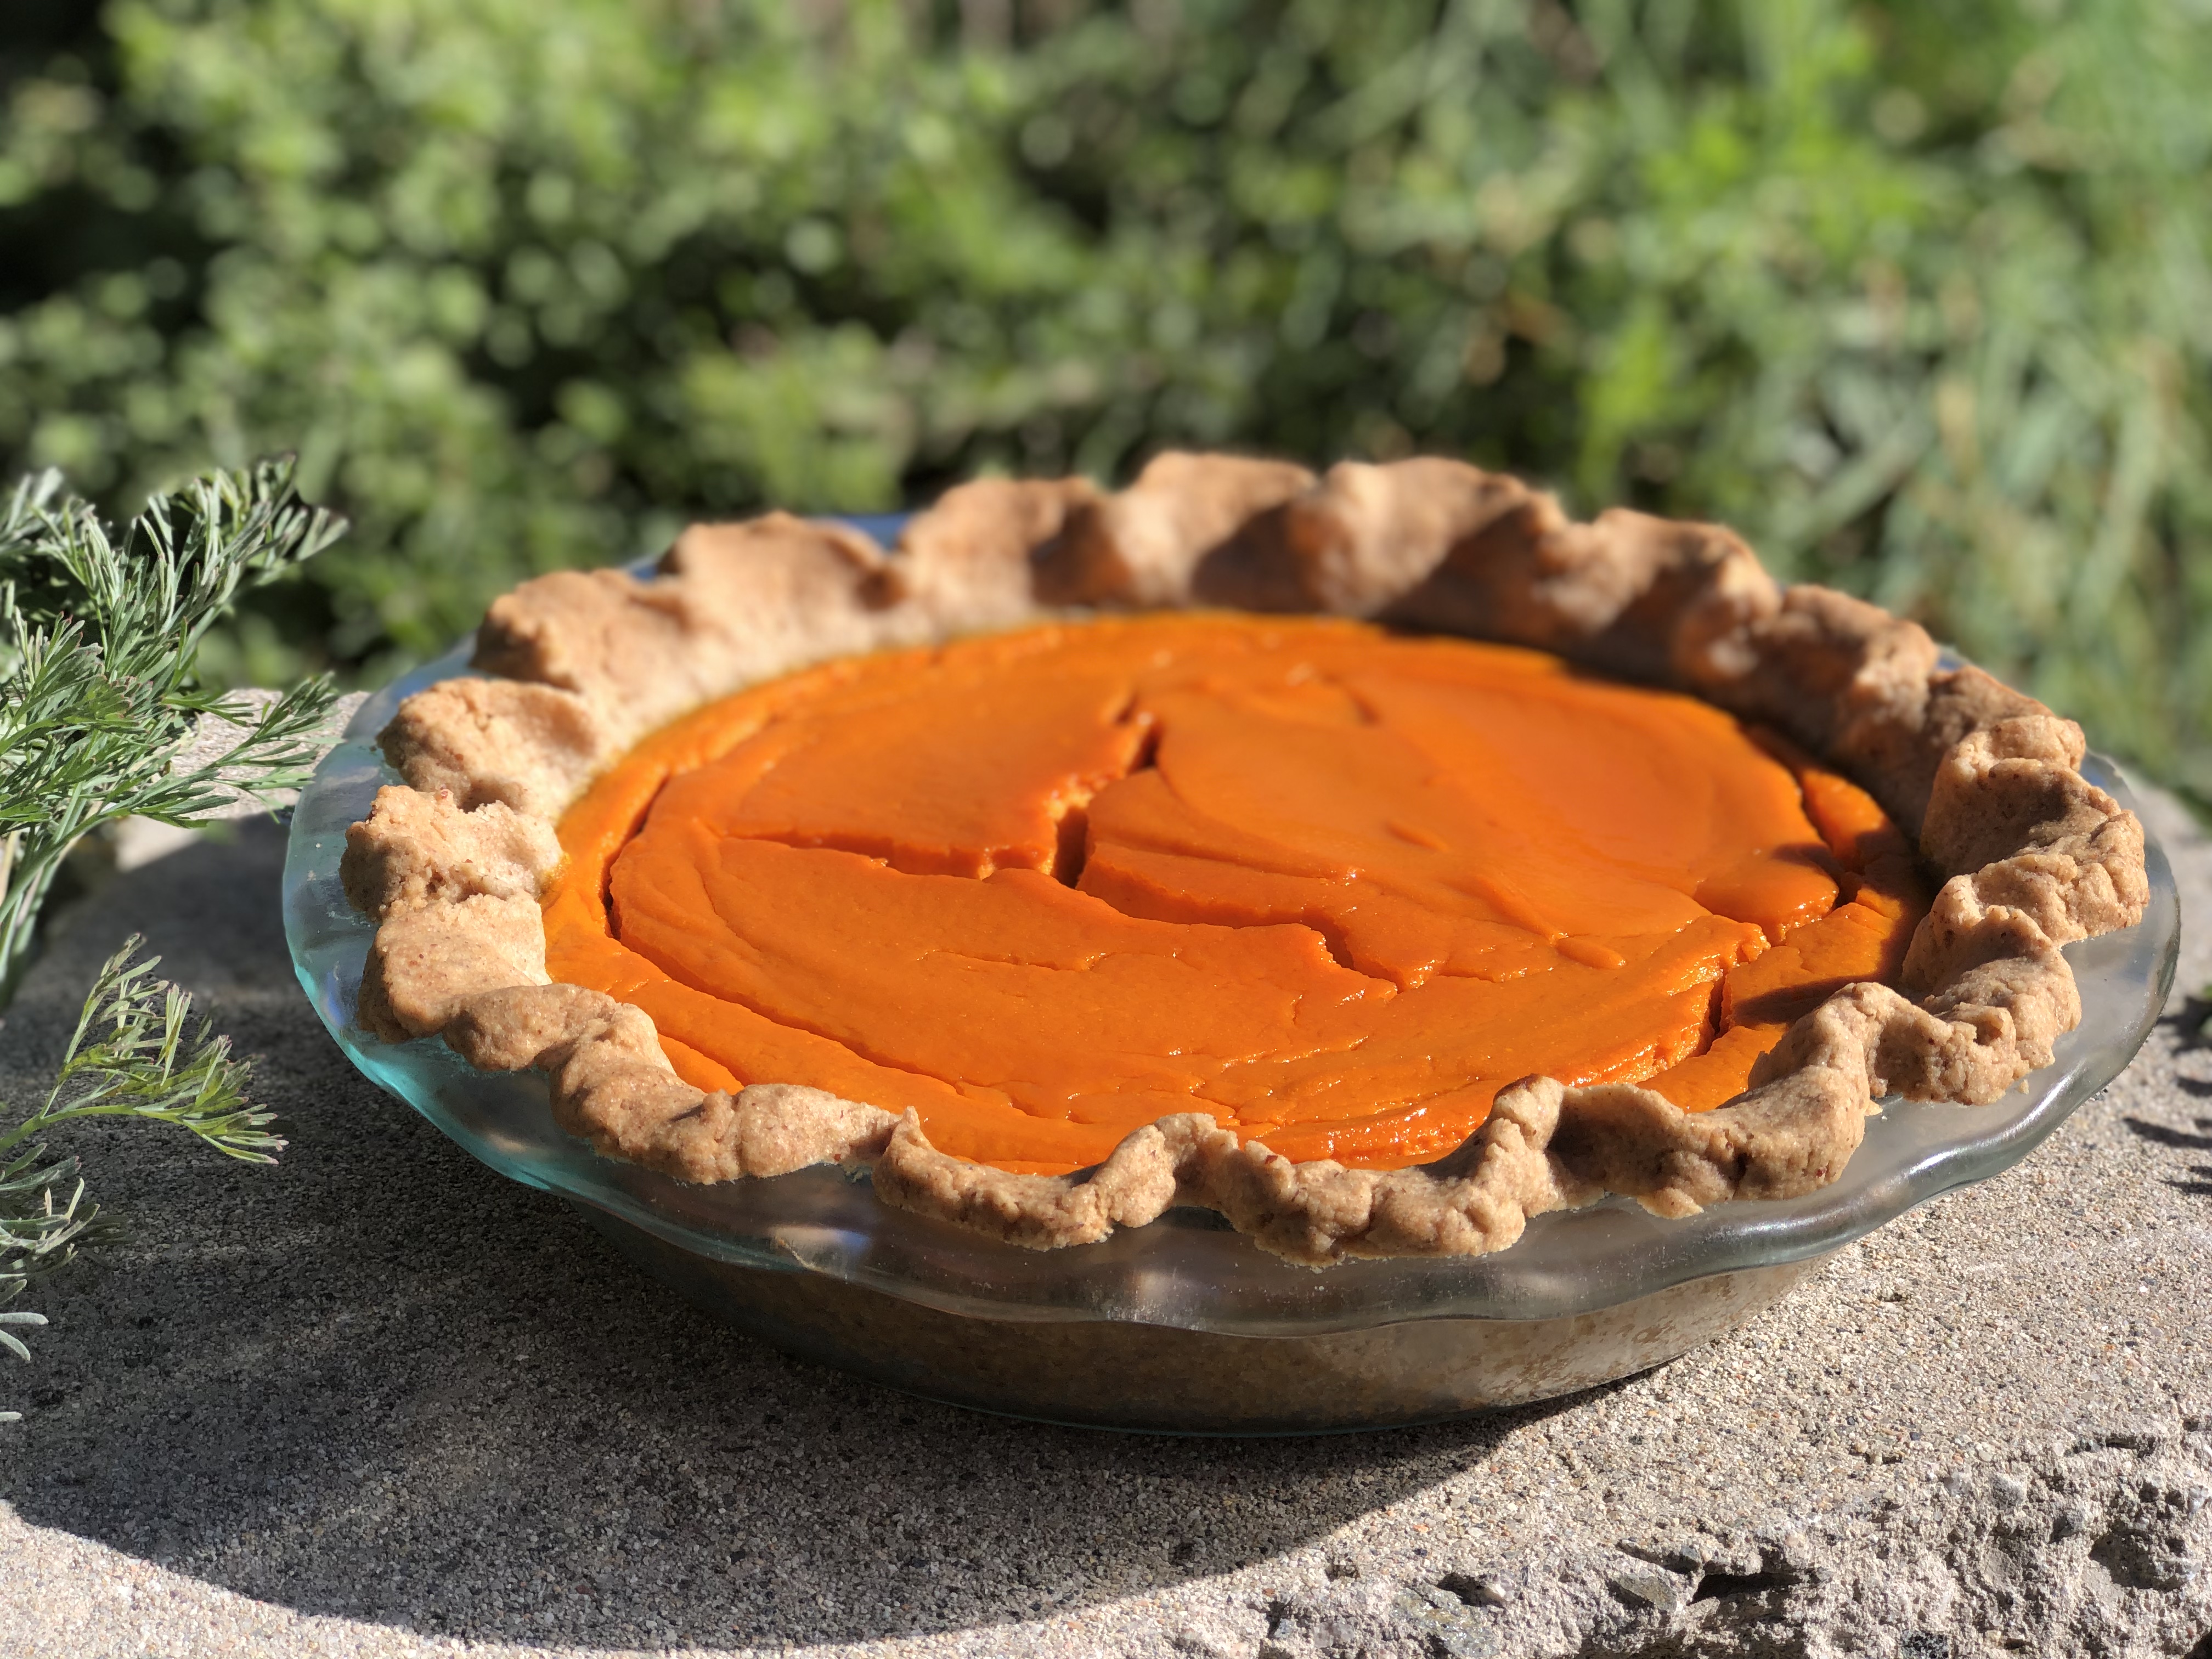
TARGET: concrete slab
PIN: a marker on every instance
(380, 1401)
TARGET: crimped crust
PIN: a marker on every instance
(1988, 780)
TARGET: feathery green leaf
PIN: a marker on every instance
(98, 644)
(135, 1055)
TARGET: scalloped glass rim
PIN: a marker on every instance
(1187, 1270)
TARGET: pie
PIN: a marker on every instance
(1378, 858)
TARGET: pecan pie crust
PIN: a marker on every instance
(577, 666)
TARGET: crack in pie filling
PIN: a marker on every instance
(1055, 865)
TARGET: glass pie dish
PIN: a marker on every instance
(1184, 1326)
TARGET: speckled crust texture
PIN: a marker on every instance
(2030, 854)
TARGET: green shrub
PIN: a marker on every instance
(1918, 296)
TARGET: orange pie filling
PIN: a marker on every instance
(1331, 886)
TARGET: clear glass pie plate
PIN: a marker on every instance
(1184, 1326)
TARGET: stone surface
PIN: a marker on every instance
(380, 1401)
(132, 842)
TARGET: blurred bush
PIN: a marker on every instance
(1919, 296)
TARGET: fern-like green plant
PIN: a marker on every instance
(134, 1055)
(99, 642)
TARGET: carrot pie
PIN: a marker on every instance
(1378, 858)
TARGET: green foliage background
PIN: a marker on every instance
(1918, 295)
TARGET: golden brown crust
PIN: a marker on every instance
(2032, 855)
(429, 959)
(416, 848)
(968, 561)
(530, 747)
(1369, 535)
(1192, 529)
(734, 603)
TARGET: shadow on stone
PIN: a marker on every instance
(2159, 1134)
(2181, 1140)
(2192, 1026)
(382, 1382)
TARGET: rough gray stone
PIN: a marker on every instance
(1474, 1589)
(380, 1401)
(212, 737)
(131, 843)
(1658, 1591)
